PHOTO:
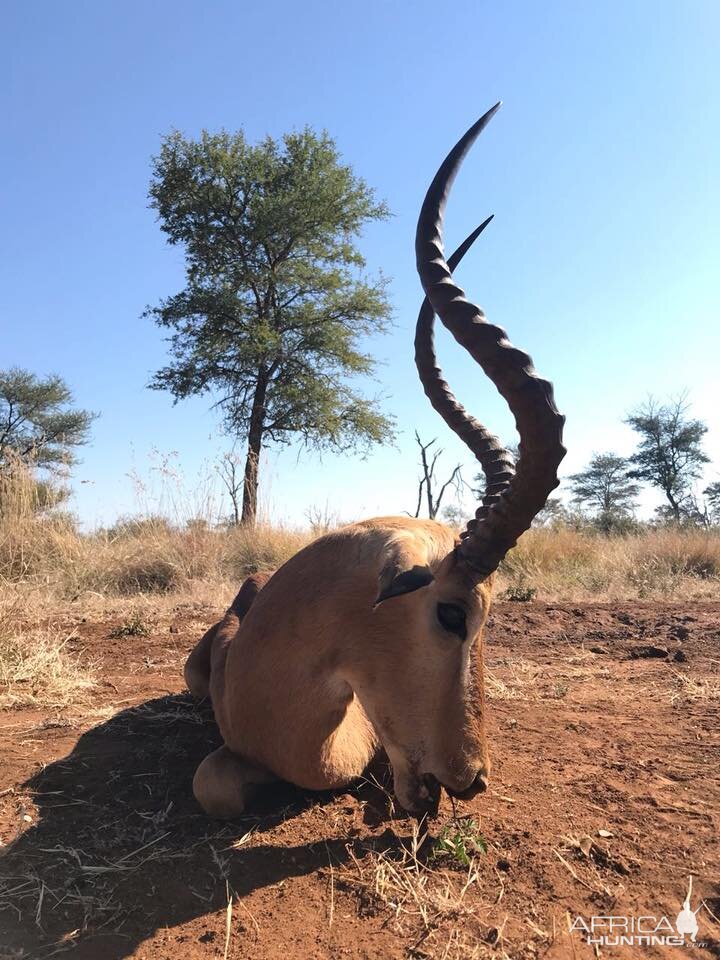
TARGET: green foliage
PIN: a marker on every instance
(606, 488)
(134, 627)
(276, 302)
(552, 511)
(38, 424)
(669, 454)
(553, 514)
(519, 592)
(459, 841)
(454, 515)
(712, 499)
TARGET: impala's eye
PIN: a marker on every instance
(452, 619)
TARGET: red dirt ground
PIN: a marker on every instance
(106, 854)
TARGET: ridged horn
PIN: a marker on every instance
(497, 463)
(497, 524)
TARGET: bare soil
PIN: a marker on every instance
(605, 797)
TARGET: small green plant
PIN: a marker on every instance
(460, 840)
(519, 592)
(134, 627)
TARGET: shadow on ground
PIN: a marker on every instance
(121, 848)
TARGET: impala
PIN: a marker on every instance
(371, 638)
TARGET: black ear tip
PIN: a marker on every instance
(406, 582)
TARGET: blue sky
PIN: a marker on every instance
(601, 170)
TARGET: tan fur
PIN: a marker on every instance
(308, 677)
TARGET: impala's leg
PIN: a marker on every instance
(224, 783)
(198, 664)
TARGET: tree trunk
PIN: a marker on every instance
(252, 462)
(674, 505)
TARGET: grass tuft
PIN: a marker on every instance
(135, 626)
(37, 668)
(423, 901)
(653, 564)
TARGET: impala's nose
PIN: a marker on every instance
(479, 785)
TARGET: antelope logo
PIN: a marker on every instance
(370, 638)
(647, 930)
(686, 923)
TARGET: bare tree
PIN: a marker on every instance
(231, 473)
(428, 480)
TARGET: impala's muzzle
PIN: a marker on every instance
(479, 785)
(423, 797)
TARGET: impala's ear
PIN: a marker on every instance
(394, 581)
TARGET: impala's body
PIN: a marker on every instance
(305, 689)
(371, 637)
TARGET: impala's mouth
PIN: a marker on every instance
(479, 785)
(424, 799)
(433, 786)
(421, 797)
(428, 793)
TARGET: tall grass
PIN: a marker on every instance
(656, 563)
(151, 554)
(141, 555)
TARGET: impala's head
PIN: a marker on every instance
(435, 595)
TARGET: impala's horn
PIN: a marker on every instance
(512, 497)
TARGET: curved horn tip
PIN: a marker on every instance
(492, 111)
(468, 242)
(479, 125)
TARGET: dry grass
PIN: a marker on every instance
(656, 564)
(520, 680)
(36, 667)
(152, 556)
(147, 555)
(693, 689)
(425, 903)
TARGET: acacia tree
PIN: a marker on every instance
(276, 301)
(712, 497)
(605, 486)
(554, 513)
(38, 424)
(669, 455)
